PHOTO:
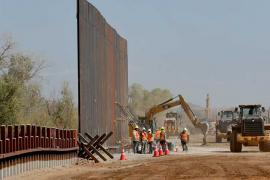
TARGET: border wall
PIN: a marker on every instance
(103, 75)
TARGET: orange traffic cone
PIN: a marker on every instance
(167, 152)
(161, 152)
(123, 156)
(156, 153)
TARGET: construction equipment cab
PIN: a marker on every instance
(224, 125)
(172, 124)
(250, 129)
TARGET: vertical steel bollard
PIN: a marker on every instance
(12, 167)
(1, 147)
(38, 160)
(23, 167)
(1, 171)
(34, 161)
(42, 164)
(28, 134)
(4, 169)
(22, 135)
(33, 135)
(8, 172)
(10, 137)
(17, 167)
(16, 136)
(3, 138)
(46, 160)
(43, 133)
(28, 164)
(60, 138)
(57, 138)
(38, 136)
(58, 160)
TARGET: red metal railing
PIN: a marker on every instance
(20, 139)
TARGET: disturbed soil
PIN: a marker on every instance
(200, 162)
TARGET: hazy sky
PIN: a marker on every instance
(190, 47)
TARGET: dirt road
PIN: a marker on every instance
(211, 162)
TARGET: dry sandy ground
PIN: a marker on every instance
(201, 162)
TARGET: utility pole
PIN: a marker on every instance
(207, 107)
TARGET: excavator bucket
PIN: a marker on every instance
(204, 126)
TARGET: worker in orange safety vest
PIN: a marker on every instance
(135, 139)
(184, 138)
(157, 137)
(150, 139)
(163, 138)
(144, 140)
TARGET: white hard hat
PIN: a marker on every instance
(149, 130)
(144, 129)
(185, 129)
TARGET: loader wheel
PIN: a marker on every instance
(218, 139)
(228, 136)
(264, 146)
(234, 145)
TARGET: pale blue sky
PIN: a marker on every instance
(191, 47)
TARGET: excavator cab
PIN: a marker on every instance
(152, 124)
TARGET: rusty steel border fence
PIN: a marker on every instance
(103, 75)
(28, 147)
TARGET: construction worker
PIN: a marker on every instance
(144, 140)
(150, 139)
(135, 139)
(163, 138)
(157, 137)
(184, 137)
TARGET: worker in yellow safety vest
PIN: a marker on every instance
(135, 139)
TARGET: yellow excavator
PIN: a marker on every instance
(149, 122)
(149, 116)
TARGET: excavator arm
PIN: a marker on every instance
(204, 126)
(159, 108)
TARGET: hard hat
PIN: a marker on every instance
(185, 129)
(144, 129)
(136, 127)
(149, 130)
(162, 128)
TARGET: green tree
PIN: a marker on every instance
(141, 100)
(8, 101)
(21, 100)
(63, 111)
(16, 72)
(137, 95)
